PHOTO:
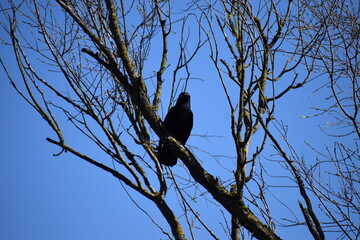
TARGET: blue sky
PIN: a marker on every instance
(47, 197)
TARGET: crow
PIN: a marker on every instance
(179, 122)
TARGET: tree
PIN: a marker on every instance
(336, 59)
(107, 76)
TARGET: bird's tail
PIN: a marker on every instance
(166, 156)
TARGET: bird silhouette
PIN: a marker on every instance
(179, 122)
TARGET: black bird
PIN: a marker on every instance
(179, 122)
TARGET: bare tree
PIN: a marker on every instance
(337, 59)
(106, 80)
(337, 63)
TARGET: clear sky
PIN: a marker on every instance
(45, 197)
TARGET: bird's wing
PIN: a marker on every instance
(171, 119)
(187, 125)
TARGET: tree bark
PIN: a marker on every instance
(176, 228)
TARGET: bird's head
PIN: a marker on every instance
(184, 98)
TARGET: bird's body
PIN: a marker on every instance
(179, 122)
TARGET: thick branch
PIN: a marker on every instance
(176, 228)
